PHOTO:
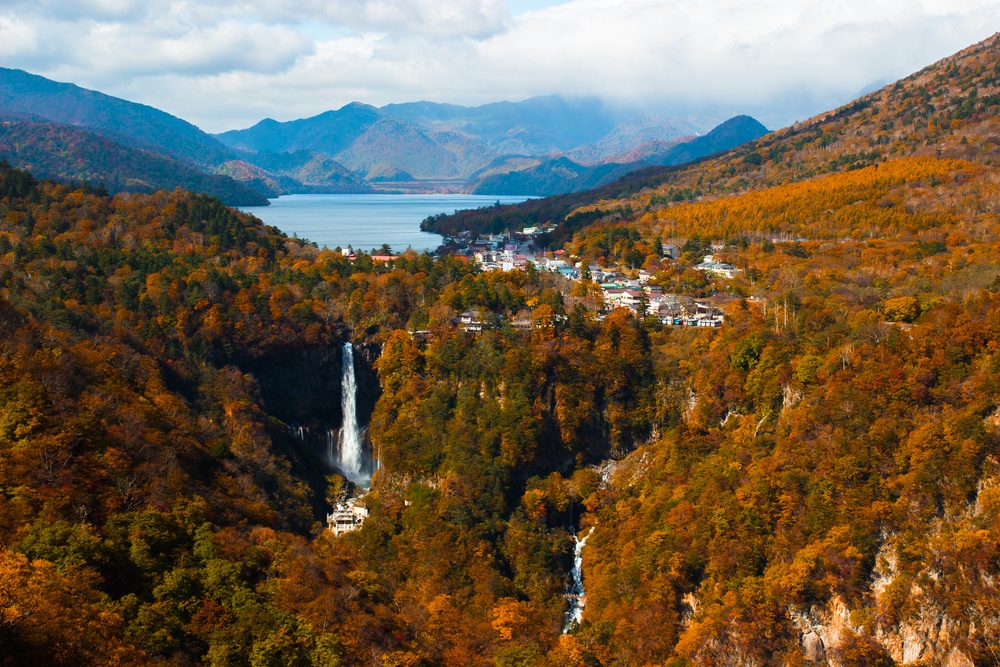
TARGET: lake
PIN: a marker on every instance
(367, 221)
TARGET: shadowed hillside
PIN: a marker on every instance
(69, 153)
(135, 125)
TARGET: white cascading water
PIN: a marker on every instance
(349, 456)
(575, 595)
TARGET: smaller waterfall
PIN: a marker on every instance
(575, 594)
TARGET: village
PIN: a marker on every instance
(619, 287)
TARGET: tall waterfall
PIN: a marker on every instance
(575, 595)
(345, 451)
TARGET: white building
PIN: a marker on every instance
(709, 265)
(346, 518)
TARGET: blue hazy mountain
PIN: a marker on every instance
(562, 175)
(328, 133)
(735, 131)
(540, 125)
(536, 126)
(447, 141)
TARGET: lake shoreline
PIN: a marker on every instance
(367, 221)
(423, 187)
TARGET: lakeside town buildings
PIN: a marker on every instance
(517, 252)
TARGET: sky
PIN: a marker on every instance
(224, 64)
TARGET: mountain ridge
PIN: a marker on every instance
(57, 151)
(132, 123)
(562, 175)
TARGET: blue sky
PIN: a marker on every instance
(225, 65)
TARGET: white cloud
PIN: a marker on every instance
(227, 46)
(224, 65)
(89, 10)
(730, 50)
(433, 18)
(17, 37)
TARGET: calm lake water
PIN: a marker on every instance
(366, 221)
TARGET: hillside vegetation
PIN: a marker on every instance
(144, 471)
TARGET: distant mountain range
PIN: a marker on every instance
(537, 126)
(541, 146)
(562, 175)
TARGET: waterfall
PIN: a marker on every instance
(575, 595)
(345, 451)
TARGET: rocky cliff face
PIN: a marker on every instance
(928, 601)
(932, 638)
(301, 387)
(940, 611)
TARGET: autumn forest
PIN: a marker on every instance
(817, 481)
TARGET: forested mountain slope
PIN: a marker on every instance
(60, 130)
(135, 125)
(822, 492)
(51, 150)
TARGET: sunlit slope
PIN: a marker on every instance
(908, 194)
(948, 110)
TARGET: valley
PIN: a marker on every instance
(554, 472)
